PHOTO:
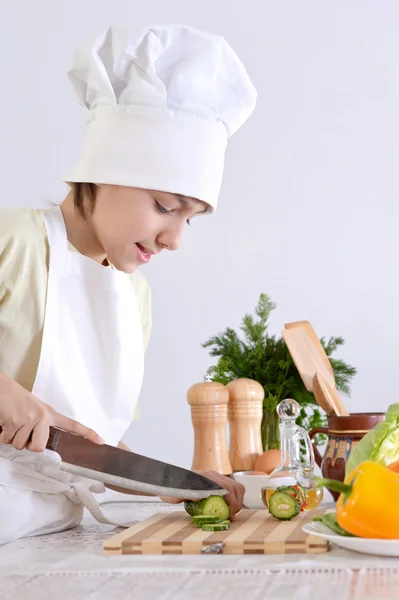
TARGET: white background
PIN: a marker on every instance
(309, 207)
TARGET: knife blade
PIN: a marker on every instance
(126, 469)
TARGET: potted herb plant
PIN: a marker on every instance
(265, 358)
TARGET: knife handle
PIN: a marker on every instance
(208, 403)
(52, 440)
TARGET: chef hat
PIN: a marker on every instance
(159, 110)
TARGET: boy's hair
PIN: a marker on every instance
(84, 198)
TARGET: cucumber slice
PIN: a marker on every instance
(224, 526)
(293, 491)
(214, 505)
(283, 506)
(303, 491)
(205, 519)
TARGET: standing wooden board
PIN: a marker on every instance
(306, 357)
(254, 532)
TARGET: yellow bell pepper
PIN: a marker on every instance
(369, 501)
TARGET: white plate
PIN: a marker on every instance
(363, 545)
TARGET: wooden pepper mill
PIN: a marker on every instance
(208, 403)
(245, 418)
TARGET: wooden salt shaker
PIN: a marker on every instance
(208, 403)
(245, 418)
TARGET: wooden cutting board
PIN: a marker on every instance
(254, 532)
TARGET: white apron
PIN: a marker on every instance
(90, 369)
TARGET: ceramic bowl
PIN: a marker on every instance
(253, 488)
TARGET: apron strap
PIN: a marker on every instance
(56, 233)
(88, 500)
(15, 475)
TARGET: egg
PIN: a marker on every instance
(268, 461)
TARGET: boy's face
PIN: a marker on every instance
(132, 224)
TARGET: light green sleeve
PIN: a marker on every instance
(23, 283)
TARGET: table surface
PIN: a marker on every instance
(72, 565)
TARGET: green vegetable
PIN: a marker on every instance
(381, 444)
(214, 506)
(191, 508)
(295, 491)
(205, 520)
(330, 521)
(283, 506)
(252, 351)
(303, 490)
(223, 526)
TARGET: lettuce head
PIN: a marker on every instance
(380, 444)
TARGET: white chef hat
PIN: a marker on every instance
(159, 110)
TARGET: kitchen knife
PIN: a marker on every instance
(126, 469)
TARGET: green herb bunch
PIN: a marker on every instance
(266, 359)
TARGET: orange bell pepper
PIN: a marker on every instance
(394, 467)
(368, 504)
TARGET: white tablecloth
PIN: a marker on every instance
(71, 565)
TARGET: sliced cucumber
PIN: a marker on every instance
(304, 492)
(223, 526)
(214, 505)
(293, 491)
(283, 506)
(205, 519)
